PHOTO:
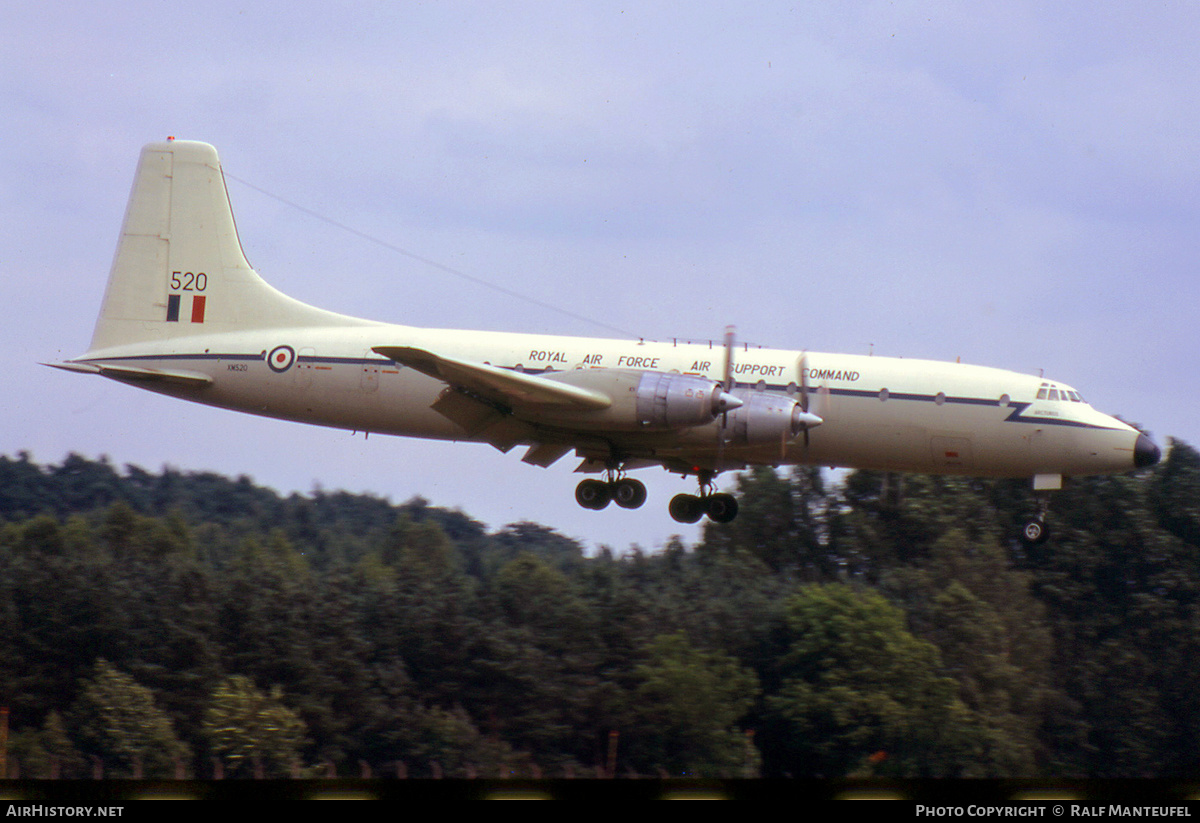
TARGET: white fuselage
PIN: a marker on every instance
(878, 412)
(185, 314)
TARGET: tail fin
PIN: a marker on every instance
(179, 268)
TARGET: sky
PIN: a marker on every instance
(1015, 184)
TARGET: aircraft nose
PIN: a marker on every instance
(1145, 453)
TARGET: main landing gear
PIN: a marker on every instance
(631, 494)
(688, 508)
(597, 494)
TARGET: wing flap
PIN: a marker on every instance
(504, 386)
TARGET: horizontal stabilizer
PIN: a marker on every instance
(504, 386)
(144, 375)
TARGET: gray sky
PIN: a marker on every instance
(1013, 183)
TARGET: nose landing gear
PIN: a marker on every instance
(1035, 532)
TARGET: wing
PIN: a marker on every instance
(505, 387)
(591, 410)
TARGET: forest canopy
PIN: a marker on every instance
(187, 624)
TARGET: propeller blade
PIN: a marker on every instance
(807, 417)
(820, 404)
(730, 337)
(802, 379)
(728, 400)
(727, 381)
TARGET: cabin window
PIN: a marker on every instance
(883, 395)
(761, 385)
(1004, 401)
(792, 388)
(940, 398)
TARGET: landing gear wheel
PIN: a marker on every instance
(629, 493)
(1035, 532)
(686, 508)
(721, 508)
(593, 494)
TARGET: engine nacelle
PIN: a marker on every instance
(677, 401)
(766, 418)
(642, 401)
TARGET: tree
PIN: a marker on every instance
(861, 692)
(993, 640)
(1175, 493)
(781, 523)
(1122, 596)
(48, 753)
(541, 662)
(690, 703)
(251, 731)
(118, 721)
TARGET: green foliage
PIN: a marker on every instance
(990, 632)
(860, 689)
(435, 742)
(690, 701)
(407, 634)
(1175, 493)
(47, 753)
(118, 721)
(253, 733)
(780, 521)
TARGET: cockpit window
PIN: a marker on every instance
(1049, 391)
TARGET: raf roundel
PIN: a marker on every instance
(281, 358)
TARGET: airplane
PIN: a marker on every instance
(184, 314)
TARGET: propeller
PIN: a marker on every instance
(730, 337)
(807, 417)
(726, 386)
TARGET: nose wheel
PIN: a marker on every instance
(1034, 531)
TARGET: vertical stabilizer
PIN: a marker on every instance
(179, 268)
